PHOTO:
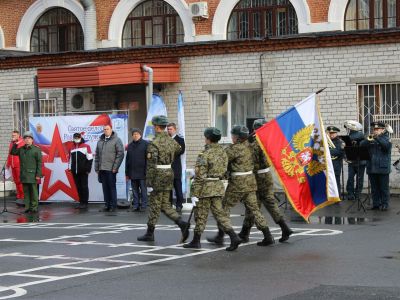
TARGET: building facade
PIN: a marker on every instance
(239, 60)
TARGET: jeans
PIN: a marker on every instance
(108, 182)
(139, 188)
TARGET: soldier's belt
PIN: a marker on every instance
(262, 171)
(212, 178)
(241, 173)
(163, 166)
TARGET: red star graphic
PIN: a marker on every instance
(47, 191)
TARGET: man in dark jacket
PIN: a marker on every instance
(135, 169)
(30, 158)
(177, 166)
(80, 164)
(379, 166)
(337, 153)
(109, 157)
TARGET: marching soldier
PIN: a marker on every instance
(265, 191)
(337, 152)
(160, 177)
(208, 189)
(242, 184)
(30, 158)
(378, 167)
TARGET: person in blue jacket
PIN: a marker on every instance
(378, 167)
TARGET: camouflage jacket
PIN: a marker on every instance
(161, 152)
(240, 159)
(260, 163)
(30, 158)
(212, 162)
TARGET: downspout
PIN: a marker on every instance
(2, 42)
(90, 26)
(149, 91)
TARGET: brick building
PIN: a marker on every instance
(238, 60)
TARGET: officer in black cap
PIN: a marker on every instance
(379, 165)
(337, 152)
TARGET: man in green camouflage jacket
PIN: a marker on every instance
(265, 191)
(208, 189)
(242, 185)
(30, 158)
(160, 177)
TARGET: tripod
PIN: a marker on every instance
(5, 210)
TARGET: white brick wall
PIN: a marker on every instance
(288, 77)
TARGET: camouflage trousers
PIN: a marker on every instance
(266, 197)
(201, 213)
(159, 202)
(249, 200)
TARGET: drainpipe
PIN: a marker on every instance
(149, 93)
(90, 26)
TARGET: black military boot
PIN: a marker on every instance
(268, 239)
(184, 226)
(218, 239)
(195, 243)
(148, 236)
(286, 231)
(244, 234)
(235, 241)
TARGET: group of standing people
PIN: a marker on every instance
(379, 146)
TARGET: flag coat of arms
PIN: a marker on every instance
(296, 145)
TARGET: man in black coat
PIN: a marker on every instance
(135, 169)
(337, 153)
(177, 166)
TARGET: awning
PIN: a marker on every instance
(94, 74)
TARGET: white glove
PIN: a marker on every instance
(194, 200)
(149, 189)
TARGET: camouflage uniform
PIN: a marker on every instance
(243, 187)
(160, 153)
(210, 167)
(265, 192)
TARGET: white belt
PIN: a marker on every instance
(263, 171)
(241, 173)
(212, 178)
(163, 166)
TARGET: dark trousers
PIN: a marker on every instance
(178, 193)
(81, 182)
(108, 181)
(353, 170)
(139, 189)
(379, 189)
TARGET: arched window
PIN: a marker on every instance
(371, 14)
(57, 30)
(252, 19)
(153, 22)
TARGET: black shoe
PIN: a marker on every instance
(184, 226)
(113, 209)
(374, 208)
(218, 239)
(235, 241)
(104, 209)
(136, 209)
(77, 206)
(195, 243)
(148, 236)
(286, 231)
(268, 239)
(384, 208)
(244, 234)
(179, 209)
(83, 206)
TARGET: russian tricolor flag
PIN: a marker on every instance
(296, 145)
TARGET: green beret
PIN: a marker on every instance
(240, 131)
(160, 120)
(332, 129)
(28, 134)
(258, 123)
(212, 133)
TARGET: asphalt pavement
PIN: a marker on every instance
(64, 253)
